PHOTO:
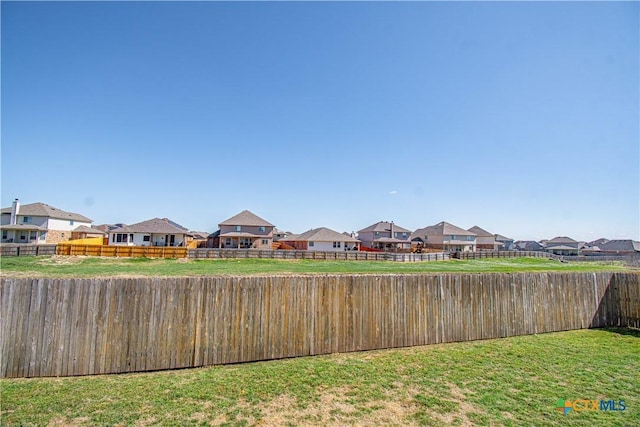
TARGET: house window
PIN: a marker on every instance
(469, 238)
(454, 237)
(122, 238)
(311, 243)
(5, 235)
(337, 244)
(43, 235)
(146, 238)
(33, 235)
(70, 222)
(377, 234)
(62, 234)
(23, 235)
(26, 220)
(265, 242)
(227, 242)
(261, 229)
(404, 235)
(238, 228)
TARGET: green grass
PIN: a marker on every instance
(94, 266)
(511, 381)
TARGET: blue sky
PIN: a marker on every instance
(519, 117)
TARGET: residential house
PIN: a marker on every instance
(446, 237)
(280, 234)
(386, 236)
(528, 245)
(620, 247)
(84, 232)
(562, 245)
(485, 241)
(506, 243)
(245, 230)
(323, 239)
(38, 223)
(153, 232)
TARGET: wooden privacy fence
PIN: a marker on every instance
(502, 254)
(60, 327)
(123, 251)
(324, 255)
(22, 249)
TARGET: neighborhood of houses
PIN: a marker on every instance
(40, 223)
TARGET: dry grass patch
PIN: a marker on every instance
(335, 407)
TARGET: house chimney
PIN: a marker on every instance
(15, 209)
(391, 229)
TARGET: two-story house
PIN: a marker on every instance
(485, 241)
(245, 230)
(446, 237)
(386, 236)
(38, 223)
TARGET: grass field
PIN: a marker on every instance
(511, 381)
(64, 266)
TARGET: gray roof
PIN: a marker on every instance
(561, 240)
(42, 209)
(621, 245)
(155, 225)
(598, 242)
(85, 229)
(247, 218)
(481, 232)
(528, 245)
(322, 234)
(501, 238)
(25, 227)
(384, 226)
(442, 229)
(200, 234)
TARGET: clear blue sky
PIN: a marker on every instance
(522, 118)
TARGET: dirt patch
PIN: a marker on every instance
(334, 408)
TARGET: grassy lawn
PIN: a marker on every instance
(511, 381)
(62, 266)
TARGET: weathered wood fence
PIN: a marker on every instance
(60, 327)
(22, 249)
(502, 254)
(296, 254)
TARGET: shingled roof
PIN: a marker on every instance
(481, 232)
(442, 229)
(42, 209)
(322, 234)
(247, 218)
(621, 245)
(384, 226)
(155, 225)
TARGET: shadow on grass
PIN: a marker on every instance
(622, 331)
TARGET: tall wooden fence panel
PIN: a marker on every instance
(60, 327)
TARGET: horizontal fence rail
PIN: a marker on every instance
(299, 254)
(62, 327)
(123, 251)
(501, 254)
(22, 249)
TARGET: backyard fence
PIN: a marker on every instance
(501, 254)
(60, 327)
(123, 251)
(21, 249)
(295, 254)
